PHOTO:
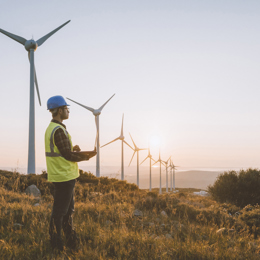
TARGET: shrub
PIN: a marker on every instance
(250, 216)
(239, 188)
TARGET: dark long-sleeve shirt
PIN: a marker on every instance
(63, 144)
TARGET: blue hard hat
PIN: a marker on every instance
(56, 101)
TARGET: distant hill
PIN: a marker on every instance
(199, 179)
(185, 179)
(196, 179)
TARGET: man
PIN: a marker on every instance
(62, 169)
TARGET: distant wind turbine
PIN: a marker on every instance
(96, 113)
(136, 150)
(173, 167)
(166, 168)
(122, 138)
(149, 156)
(161, 162)
(31, 46)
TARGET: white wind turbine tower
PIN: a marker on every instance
(161, 162)
(166, 168)
(136, 150)
(31, 46)
(149, 156)
(96, 113)
(122, 138)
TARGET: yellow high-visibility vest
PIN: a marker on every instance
(58, 168)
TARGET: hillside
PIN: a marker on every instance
(116, 220)
(196, 179)
(199, 179)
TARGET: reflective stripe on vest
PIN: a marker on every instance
(52, 153)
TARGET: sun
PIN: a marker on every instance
(154, 141)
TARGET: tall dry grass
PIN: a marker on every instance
(172, 226)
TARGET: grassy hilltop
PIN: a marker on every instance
(116, 220)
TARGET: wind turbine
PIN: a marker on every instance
(149, 156)
(166, 167)
(173, 167)
(122, 138)
(96, 113)
(161, 162)
(136, 150)
(31, 46)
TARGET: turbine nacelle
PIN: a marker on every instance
(30, 44)
(136, 149)
(96, 112)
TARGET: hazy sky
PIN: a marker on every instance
(185, 73)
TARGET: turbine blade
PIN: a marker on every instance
(155, 163)
(144, 160)
(133, 141)
(152, 159)
(143, 149)
(95, 147)
(96, 121)
(104, 104)
(96, 124)
(96, 134)
(122, 126)
(88, 108)
(14, 37)
(163, 163)
(44, 38)
(128, 145)
(132, 158)
(110, 142)
(35, 81)
(36, 85)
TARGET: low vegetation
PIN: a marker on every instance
(239, 188)
(116, 220)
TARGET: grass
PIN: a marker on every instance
(108, 229)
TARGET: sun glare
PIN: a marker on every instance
(154, 141)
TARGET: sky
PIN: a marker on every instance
(184, 73)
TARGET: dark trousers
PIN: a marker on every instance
(63, 208)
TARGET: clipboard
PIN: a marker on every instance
(87, 153)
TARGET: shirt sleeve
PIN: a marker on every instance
(63, 144)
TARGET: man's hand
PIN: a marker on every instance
(76, 148)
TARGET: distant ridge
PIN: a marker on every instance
(199, 179)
